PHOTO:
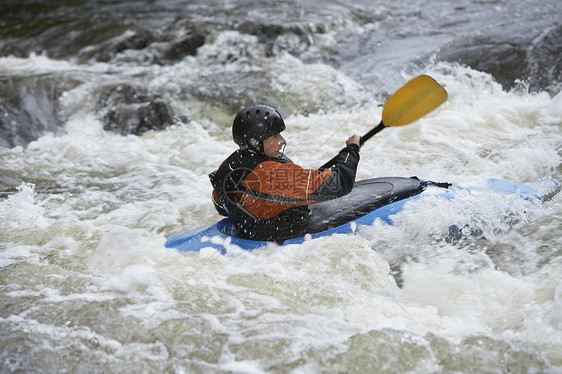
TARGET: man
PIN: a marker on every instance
(264, 193)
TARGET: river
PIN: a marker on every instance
(114, 112)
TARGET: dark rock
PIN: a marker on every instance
(277, 38)
(106, 50)
(122, 94)
(265, 32)
(28, 107)
(529, 55)
(187, 46)
(131, 110)
(544, 62)
(503, 60)
(139, 40)
(154, 116)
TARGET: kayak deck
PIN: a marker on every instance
(371, 199)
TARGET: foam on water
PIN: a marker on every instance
(34, 63)
(86, 277)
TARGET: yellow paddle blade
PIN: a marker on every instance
(412, 101)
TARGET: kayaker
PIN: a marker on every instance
(264, 193)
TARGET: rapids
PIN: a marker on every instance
(113, 113)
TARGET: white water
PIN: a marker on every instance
(87, 285)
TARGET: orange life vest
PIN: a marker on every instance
(268, 199)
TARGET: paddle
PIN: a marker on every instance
(412, 101)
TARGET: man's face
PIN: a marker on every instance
(273, 145)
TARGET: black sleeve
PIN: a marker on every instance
(341, 181)
(219, 206)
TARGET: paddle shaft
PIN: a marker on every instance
(364, 138)
(372, 132)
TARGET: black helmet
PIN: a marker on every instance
(254, 124)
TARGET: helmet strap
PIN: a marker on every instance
(254, 145)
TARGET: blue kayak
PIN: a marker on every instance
(371, 199)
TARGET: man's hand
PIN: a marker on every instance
(354, 139)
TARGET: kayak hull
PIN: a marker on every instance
(371, 199)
